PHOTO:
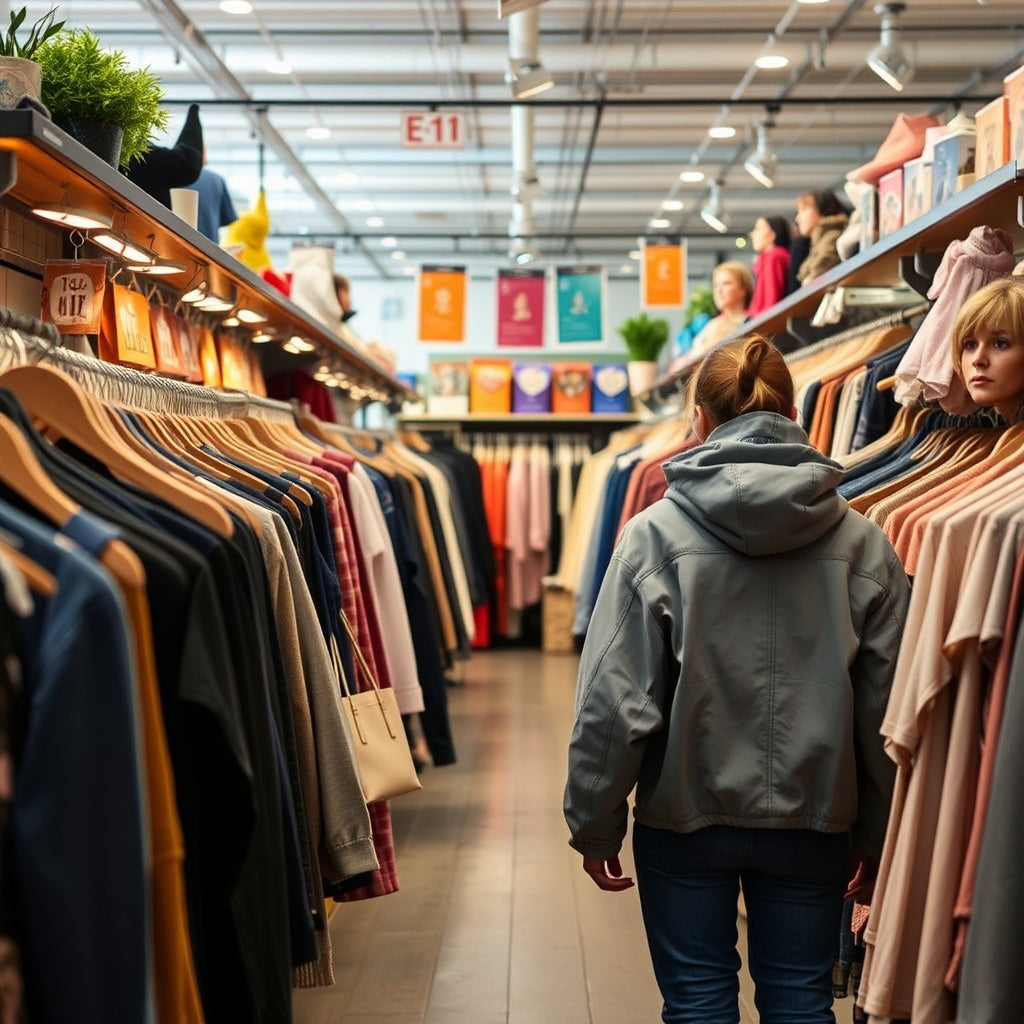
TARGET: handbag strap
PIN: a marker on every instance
(361, 662)
(356, 652)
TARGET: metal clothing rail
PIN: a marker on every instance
(894, 319)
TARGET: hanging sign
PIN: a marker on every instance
(433, 129)
(581, 295)
(442, 298)
(166, 345)
(125, 336)
(72, 296)
(663, 274)
(520, 308)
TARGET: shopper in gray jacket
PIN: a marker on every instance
(736, 672)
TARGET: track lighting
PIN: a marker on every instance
(123, 247)
(72, 216)
(527, 79)
(520, 252)
(888, 59)
(712, 213)
(762, 164)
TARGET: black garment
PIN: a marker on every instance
(799, 247)
(162, 168)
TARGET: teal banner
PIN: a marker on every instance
(581, 297)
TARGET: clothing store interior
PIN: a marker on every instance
(327, 394)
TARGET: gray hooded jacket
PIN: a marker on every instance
(739, 659)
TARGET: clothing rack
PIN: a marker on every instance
(901, 316)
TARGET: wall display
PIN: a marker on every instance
(442, 298)
(521, 307)
(581, 302)
(663, 274)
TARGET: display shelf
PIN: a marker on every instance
(556, 420)
(40, 164)
(909, 255)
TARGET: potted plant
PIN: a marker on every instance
(94, 95)
(20, 75)
(645, 338)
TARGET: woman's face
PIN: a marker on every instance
(729, 293)
(992, 364)
(806, 217)
(762, 237)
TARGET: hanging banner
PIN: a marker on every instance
(521, 308)
(442, 296)
(581, 297)
(663, 274)
(72, 296)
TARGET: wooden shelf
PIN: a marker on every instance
(40, 164)
(994, 200)
(552, 419)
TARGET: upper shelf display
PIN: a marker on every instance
(57, 178)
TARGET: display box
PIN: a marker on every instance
(868, 207)
(570, 388)
(531, 387)
(992, 126)
(952, 165)
(448, 388)
(610, 391)
(1013, 90)
(917, 188)
(490, 386)
(890, 202)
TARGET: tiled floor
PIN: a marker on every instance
(495, 922)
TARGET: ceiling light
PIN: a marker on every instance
(527, 186)
(526, 79)
(522, 253)
(659, 223)
(409, 271)
(693, 177)
(375, 222)
(397, 254)
(672, 205)
(635, 254)
(212, 303)
(763, 165)
(158, 266)
(123, 247)
(235, 6)
(771, 61)
(887, 59)
(713, 213)
(278, 67)
(72, 216)
(195, 294)
(231, 321)
(261, 338)
(318, 131)
(627, 268)
(251, 316)
(295, 344)
(741, 242)
(721, 131)
(389, 241)
(809, 2)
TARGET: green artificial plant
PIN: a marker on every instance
(14, 45)
(701, 301)
(644, 337)
(81, 80)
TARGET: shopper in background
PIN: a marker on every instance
(344, 292)
(216, 210)
(822, 218)
(162, 168)
(732, 284)
(770, 240)
(736, 672)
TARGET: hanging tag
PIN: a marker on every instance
(72, 295)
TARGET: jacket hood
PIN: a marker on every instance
(758, 485)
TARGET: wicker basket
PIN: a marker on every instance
(557, 610)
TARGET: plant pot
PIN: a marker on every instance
(103, 138)
(641, 375)
(18, 77)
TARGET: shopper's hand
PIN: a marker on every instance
(607, 874)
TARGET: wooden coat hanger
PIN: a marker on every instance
(52, 397)
(39, 580)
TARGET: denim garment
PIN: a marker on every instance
(793, 884)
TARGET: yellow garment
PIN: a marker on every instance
(250, 231)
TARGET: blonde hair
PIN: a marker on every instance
(740, 272)
(999, 305)
(748, 375)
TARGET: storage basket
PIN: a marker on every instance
(557, 608)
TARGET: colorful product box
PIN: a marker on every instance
(490, 386)
(610, 392)
(448, 391)
(890, 202)
(1013, 90)
(570, 388)
(992, 125)
(917, 188)
(952, 165)
(531, 387)
(868, 206)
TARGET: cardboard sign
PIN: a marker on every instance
(166, 345)
(125, 335)
(72, 296)
(208, 358)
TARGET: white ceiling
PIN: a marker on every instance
(638, 84)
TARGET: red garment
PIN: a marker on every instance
(288, 384)
(771, 271)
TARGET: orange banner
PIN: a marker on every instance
(663, 277)
(442, 304)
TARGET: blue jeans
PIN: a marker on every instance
(793, 885)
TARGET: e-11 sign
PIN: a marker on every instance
(433, 129)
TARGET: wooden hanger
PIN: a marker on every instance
(21, 471)
(52, 397)
(39, 580)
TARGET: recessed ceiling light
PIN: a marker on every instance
(741, 242)
(365, 205)
(635, 254)
(235, 6)
(771, 61)
(808, 2)
(408, 271)
(318, 131)
(626, 268)
(389, 241)
(375, 222)
(692, 177)
(397, 254)
(672, 205)
(278, 67)
(722, 131)
(659, 223)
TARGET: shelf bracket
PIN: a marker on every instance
(8, 170)
(919, 270)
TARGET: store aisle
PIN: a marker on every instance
(495, 922)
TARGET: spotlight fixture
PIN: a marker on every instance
(887, 59)
(527, 79)
(72, 216)
(250, 316)
(712, 213)
(762, 165)
(527, 186)
(123, 247)
(158, 267)
(721, 131)
(694, 177)
(772, 61)
(521, 253)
